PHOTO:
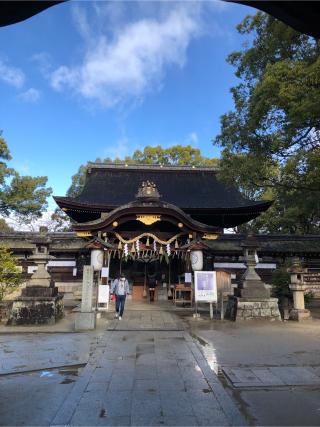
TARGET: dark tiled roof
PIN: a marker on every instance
(269, 243)
(184, 187)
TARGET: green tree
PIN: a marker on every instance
(280, 284)
(270, 141)
(178, 155)
(20, 195)
(10, 278)
(4, 226)
(59, 221)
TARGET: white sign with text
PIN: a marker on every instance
(205, 286)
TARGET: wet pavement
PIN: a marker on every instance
(32, 399)
(31, 352)
(147, 370)
(143, 370)
(159, 366)
(272, 370)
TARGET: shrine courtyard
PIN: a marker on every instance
(160, 366)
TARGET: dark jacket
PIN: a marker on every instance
(152, 281)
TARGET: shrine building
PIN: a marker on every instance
(159, 220)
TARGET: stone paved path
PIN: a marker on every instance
(146, 370)
(142, 320)
(19, 355)
(273, 376)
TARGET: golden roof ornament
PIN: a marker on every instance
(148, 191)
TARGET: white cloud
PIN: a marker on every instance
(118, 150)
(11, 75)
(132, 60)
(43, 61)
(31, 95)
(192, 138)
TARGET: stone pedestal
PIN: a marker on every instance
(36, 310)
(251, 309)
(86, 319)
(40, 302)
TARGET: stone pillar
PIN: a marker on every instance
(86, 319)
(255, 301)
(298, 288)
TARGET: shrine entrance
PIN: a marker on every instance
(149, 266)
(148, 240)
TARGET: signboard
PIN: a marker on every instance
(312, 280)
(187, 277)
(205, 286)
(103, 295)
(224, 282)
(105, 272)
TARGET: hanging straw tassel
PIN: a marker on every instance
(133, 249)
(176, 245)
(161, 250)
(119, 245)
(148, 241)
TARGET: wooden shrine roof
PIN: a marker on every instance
(110, 186)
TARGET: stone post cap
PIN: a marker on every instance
(296, 269)
(250, 242)
(298, 287)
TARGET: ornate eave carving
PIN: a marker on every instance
(148, 191)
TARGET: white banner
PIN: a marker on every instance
(65, 263)
(205, 286)
(103, 295)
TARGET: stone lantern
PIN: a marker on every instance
(255, 301)
(40, 302)
(252, 285)
(298, 288)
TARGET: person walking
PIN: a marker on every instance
(120, 288)
(152, 283)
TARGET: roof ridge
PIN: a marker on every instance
(157, 167)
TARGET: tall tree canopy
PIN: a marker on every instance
(178, 155)
(270, 141)
(23, 195)
(10, 277)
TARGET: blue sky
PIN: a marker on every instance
(84, 80)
